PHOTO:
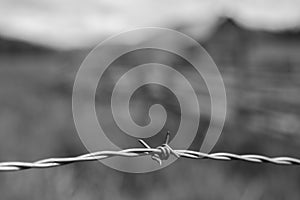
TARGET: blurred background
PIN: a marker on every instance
(255, 44)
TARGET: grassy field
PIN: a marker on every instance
(263, 117)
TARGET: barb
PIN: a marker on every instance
(165, 150)
(158, 154)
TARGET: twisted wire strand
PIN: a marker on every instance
(158, 154)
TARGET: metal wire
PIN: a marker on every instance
(158, 154)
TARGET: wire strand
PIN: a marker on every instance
(159, 153)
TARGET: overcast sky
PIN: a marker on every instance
(75, 24)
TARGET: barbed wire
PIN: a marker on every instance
(158, 154)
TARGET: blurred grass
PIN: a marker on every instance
(263, 114)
